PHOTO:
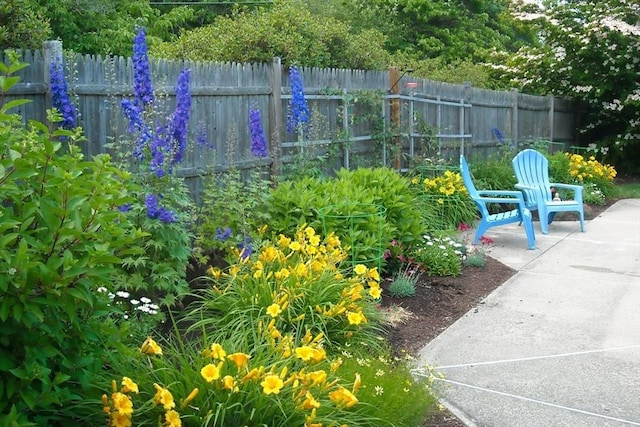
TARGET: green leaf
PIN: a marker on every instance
(7, 83)
(15, 103)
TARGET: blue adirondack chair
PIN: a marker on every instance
(532, 171)
(519, 214)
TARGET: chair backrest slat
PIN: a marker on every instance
(532, 169)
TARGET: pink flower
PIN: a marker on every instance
(463, 227)
(486, 240)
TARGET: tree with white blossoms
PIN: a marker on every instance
(588, 51)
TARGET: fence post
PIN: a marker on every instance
(394, 83)
(51, 52)
(466, 98)
(275, 113)
(552, 107)
(514, 117)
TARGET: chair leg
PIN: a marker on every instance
(552, 215)
(528, 228)
(581, 213)
(543, 216)
(482, 227)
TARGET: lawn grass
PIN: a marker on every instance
(627, 191)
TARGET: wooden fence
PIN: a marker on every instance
(359, 118)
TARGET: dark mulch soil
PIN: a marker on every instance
(440, 301)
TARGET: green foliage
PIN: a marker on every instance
(476, 259)
(91, 27)
(388, 387)
(459, 71)
(444, 201)
(157, 268)
(285, 30)
(60, 229)
(233, 203)
(293, 285)
(438, 256)
(424, 28)
(350, 204)
(404, 283)
(22, 25)
(494, 173)
(588, 52)
(596, 178)
(206, 382)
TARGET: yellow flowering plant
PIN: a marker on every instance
(595, 177)
(291, 285)
(284, 381)
(445, 201)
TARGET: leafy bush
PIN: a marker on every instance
(601, 37)
(575, 169)
(60, 228)
(232, 210)
(277, 381)
(388, 386)
(363, 191)
(494, 173)
(286, 30)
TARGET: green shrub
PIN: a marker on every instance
(494, 173)
(388, 387)
(159, 273)
(361, 192)
(284, 381)
(60, 229)
(232, 209)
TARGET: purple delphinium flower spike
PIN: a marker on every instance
(60, 96)
(246, 249)
(155, 211)
(299, 112)
(223, 235)
(258, 141)
(141, 74)
(202, 138)
(133, 114)
(498, 134)
(151, 203)
(180, 117)
(159, 147)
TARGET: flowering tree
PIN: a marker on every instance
(589, 51)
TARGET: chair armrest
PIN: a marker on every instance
(526, 187)
(577, 190)
(500, 193)
(500, 200)
(567, 186)
(514, 197)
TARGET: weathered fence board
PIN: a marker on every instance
(351, 119)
